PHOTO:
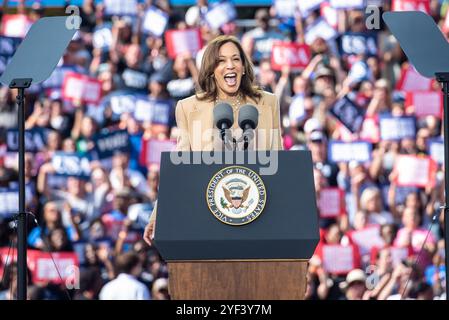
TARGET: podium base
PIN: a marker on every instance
(238, 280)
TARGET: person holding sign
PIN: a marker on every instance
(226, 75)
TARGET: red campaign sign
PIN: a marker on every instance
(370, 130)
(294, 55)
(331, 202)
(79, 87)
(152, 149)
(411, 5)
(414, 171)
(411, 80)
(181, 41)
(15, 25)
(424, 103)
(42, 267)
(367, 238)
(113, 228)
(338, 259)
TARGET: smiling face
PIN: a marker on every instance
(229, 71)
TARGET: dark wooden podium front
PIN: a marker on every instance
(237, 280)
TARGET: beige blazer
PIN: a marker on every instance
(194, 119)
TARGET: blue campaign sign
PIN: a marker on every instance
(435, 148)
(71, 165)
(396, 128)
(9, 198)
(340, 151)
(8, 46)
(348, 113)
(158, 111)
(354, 43)
(34, 140)
(106, 143)
(121, 101)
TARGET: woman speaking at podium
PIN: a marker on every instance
(226, 75)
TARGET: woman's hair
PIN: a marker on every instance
(207, 87)
(367, 194)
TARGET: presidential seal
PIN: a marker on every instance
(236, 195)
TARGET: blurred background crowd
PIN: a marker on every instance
(347, 93)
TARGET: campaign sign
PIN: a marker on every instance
(102, 37)
(8, 46)
(320, 29)
(70, 165)
(424, 103)
(347, 4)
(416, 171)
(397, 128)
(411, 5)
(411, 80)
(42, 265)
(220, 13)
(338, 259)
(354, 43)
(9, 199)
(181, 41)
(154, 110)
(43, 268)
(329, 14)
(286, 8)
(106, 143)
(56, 78)
(120, 7)
(15, 25)
(367, 238)
(152, 149)
(331, 202)
(370, 130)
(340, 151)
(435, 148)
(307, 6)
(79, 87)
(155, 21)
(292, 54)
(348, 113)
(34, 140)
(121, 102)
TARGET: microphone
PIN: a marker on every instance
(223, 119)
(248, 120)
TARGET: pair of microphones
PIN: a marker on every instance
(224, 119)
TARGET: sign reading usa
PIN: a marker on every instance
(411, 5)
(294, 55)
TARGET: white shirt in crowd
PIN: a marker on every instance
(125, 287)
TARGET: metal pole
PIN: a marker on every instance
(22, 218)
(446, 177)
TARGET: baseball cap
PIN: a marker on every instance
(311, 125)
(356, 275)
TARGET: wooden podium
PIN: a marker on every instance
(237, 280)
(260, 259)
